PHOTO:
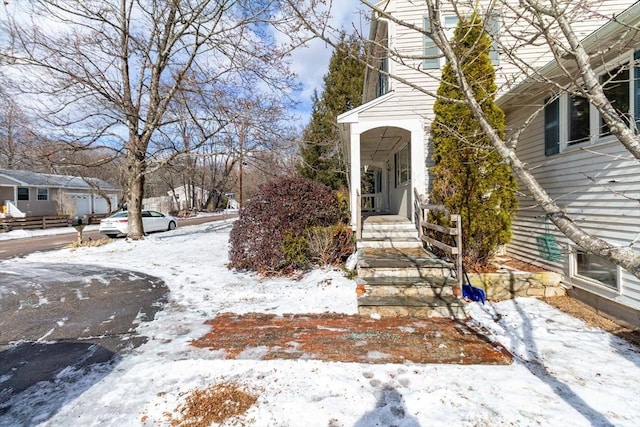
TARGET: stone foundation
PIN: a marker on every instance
(509, 284)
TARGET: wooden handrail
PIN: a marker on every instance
(422, 214)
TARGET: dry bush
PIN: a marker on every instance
(329, 245)
(89, 243)
(217, 404)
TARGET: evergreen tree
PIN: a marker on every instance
(321, 154)
(469, 176)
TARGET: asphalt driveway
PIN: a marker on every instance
(59, 316)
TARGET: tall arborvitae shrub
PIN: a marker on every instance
(273, 231)
(469, 176)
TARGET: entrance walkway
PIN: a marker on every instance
(343, 338)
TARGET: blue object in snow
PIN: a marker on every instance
(472, 293)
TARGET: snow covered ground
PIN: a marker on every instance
(564, 373)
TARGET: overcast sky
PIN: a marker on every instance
(311, 63)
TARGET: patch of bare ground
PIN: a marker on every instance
(222, 403)
(351, 338)
(582, 311)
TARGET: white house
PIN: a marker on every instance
(387, 139)
(25, 193)
(585, 169)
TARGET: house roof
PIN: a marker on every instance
(35, 179)
(620, 32)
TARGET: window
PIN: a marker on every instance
(596, 268)
(551, 126)
(43, 194)
(383, 78)
(636, 89)
(493, 30)
(570, 119)
(616, 89)
(403, 166)
(578, 120)
(23, 193)
(431, 51)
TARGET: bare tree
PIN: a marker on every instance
(106, 73)
(549, 23)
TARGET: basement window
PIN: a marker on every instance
(593, 267)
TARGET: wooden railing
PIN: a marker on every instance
(41, 222)
(428, 231)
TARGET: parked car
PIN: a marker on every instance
(118, 223)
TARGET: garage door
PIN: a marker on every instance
(100, 204)
(82, 203)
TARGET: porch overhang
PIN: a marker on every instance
(370, 138)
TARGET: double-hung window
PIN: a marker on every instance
(43, 194)
(571, 120)
(616, 88)
(431, 51)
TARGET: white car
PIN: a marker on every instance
(118, 223)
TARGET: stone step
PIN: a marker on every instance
(405, 226)
(406, 286)
(403, 267)
(405, 242)
(396, 306)
(389, 234)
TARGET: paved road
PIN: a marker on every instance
(21, 247)
(60, 321)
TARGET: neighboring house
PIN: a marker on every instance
(24, 193)
(586, 170)
(387, 139)
(188, 197)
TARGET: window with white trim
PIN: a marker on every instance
(616, 88)
(595, 269)
(403, 166)
(571, 120)
(431, 51)
(578, 119)
(493, 22)
(43, 194)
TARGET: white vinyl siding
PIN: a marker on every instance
(597, 191)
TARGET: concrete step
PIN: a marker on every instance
(406, 286)
(395, 306)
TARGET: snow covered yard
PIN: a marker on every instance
(564, 373)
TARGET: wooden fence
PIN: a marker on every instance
(41, 222)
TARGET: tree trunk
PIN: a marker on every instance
(136, 168)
